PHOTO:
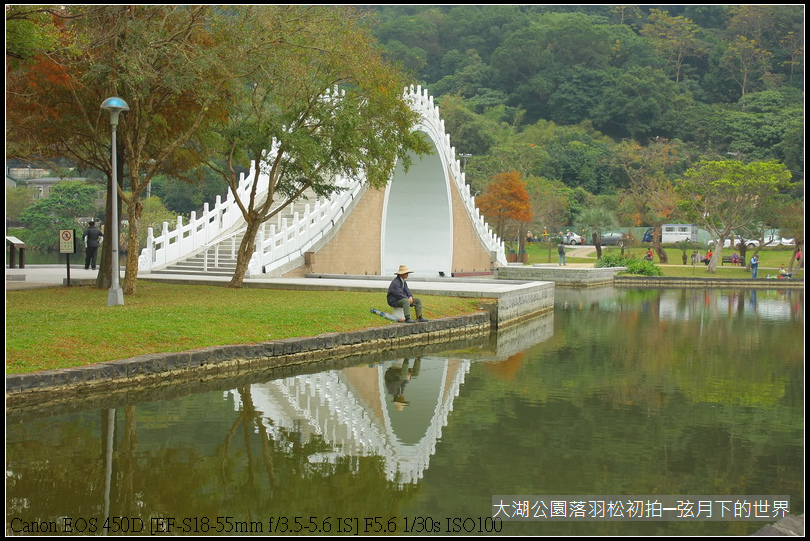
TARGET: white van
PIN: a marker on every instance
(677, 232)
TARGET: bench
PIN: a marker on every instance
(727, 259)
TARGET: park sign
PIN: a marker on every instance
(67, 241)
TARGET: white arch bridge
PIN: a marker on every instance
(425, 218)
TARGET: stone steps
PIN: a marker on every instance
(226, 266)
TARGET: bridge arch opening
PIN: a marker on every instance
(417, 221)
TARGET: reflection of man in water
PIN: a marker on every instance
(397, 377)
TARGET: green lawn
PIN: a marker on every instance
(770, 260)
(63, 327)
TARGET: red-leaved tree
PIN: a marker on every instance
(507, 207)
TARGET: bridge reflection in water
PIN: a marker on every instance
(394, 409)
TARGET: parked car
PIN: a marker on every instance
(609, 239)
(572, 238)
(750, 243)
(779, 241)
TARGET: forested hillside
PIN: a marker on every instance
(555, 91)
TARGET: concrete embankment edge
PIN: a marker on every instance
(231, 360)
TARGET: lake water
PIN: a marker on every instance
(617, 392)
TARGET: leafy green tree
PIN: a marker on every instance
(650, 194)
(635, 102)
(472, 133)
(596, 220)
(726, 196)
(412, 38)
(18, 199)
(675, 38)
(316, 100)
(746, 62)
(153, 215)
(580, 159)
(186, 195)
(550, 206)
(66, 202)
(579, 92)
(412, 59)
(791, 222)
(29, 31)
(531, 60)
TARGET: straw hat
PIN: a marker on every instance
(403, 269)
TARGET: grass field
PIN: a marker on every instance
(770, 260)
(64, 327)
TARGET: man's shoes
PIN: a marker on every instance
(422, 320)
(409, 320)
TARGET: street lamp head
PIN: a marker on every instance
(114, 106)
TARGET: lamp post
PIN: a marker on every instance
(464, 158)
(116, 295)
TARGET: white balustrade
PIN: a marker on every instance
(278, 247)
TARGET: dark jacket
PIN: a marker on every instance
(397, 291)
(91, 236)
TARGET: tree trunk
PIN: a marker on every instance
(711, 268)
(104, 278)
(743, 258)
(663, 258)
(597, 245)
(134, 211)
(245, 252)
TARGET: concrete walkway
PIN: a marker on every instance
(38, 276)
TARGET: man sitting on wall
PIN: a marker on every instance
(399, 296)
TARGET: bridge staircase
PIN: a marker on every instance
(218, 258)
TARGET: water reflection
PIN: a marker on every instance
(617, 392)
(687, 304)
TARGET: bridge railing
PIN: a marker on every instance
(422, 101)
(277, 246)
(187, 238)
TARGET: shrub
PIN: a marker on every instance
(611, 260)
(634, 266)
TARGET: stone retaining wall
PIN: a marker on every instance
(522, 302)
(235, 359)
(561, 276)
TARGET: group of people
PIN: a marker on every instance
(783, 271)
